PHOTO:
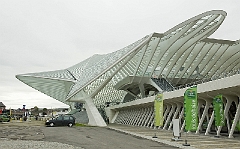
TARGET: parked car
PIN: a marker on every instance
(62, 120)
(4, 118)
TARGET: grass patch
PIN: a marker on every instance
(81, 125)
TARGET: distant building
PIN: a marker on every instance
(2, 106)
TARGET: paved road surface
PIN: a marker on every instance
(98, 138)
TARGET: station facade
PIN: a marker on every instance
(122, 85)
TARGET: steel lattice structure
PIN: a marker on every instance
(181, 55)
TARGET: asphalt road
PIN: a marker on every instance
(85, 137)
(98, 138)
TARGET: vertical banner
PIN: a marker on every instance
(158, 108)
(218, 110)
(191, 109)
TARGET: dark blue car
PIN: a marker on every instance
(62, 120)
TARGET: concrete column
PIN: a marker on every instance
(169, 115)
(95, 118)
(209, 124)
(205, 112)
(122, 118)
(183, 125)
(132, 116)
(128, 116)
(148, 117)
(228, 104)
(181, 116)
(145, 117)
(152, 119)
(175, 114)
(139, 116)
(236, 117)
(142, 119)
(142, 90)
(114, 117)
(166, 111)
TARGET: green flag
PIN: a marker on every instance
(191, 109)
(218, 110)
(158, 108)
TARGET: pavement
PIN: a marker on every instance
(34, 130)
(196, 141)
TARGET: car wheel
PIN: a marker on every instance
(70, 125)
(51, 124)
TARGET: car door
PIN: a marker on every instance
(65, 120)
(59, 121)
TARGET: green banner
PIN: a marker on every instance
(158, 108)
(218, 110)
(191, 109)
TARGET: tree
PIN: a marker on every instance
(35, 110)
(44, 111)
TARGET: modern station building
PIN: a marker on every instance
(122, 85)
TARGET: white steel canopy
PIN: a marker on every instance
(181, 55)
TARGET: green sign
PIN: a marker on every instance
(218, 110)
(191, 109)
(158, 108)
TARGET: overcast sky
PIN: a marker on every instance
(48, 35)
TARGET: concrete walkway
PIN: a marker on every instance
(164, 136)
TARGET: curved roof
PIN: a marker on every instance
(182, 54)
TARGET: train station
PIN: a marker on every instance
(121, 87)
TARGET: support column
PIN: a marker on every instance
(228, 104)
(175, 115)
(95, 119)
(183, 125)
(151, 117)
(148, 116)
(235, 121)
(205, 112)
(166, 111)
(236, 117)
(142, 90)
(209, 124)
(169, 116)
(180, 116)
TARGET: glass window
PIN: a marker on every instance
(65, 118)
(59, 118)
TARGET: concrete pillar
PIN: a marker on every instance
(166, 111)
(181, 116)
(236, 117)
(183, 125)
(210, 124)
(95, 118)
(228, 104)
(235, 121)
(143, 116)
(169, 116)
(149, 116)
(150, 119)
(205, 112)
(142, 90)
(178, 105)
